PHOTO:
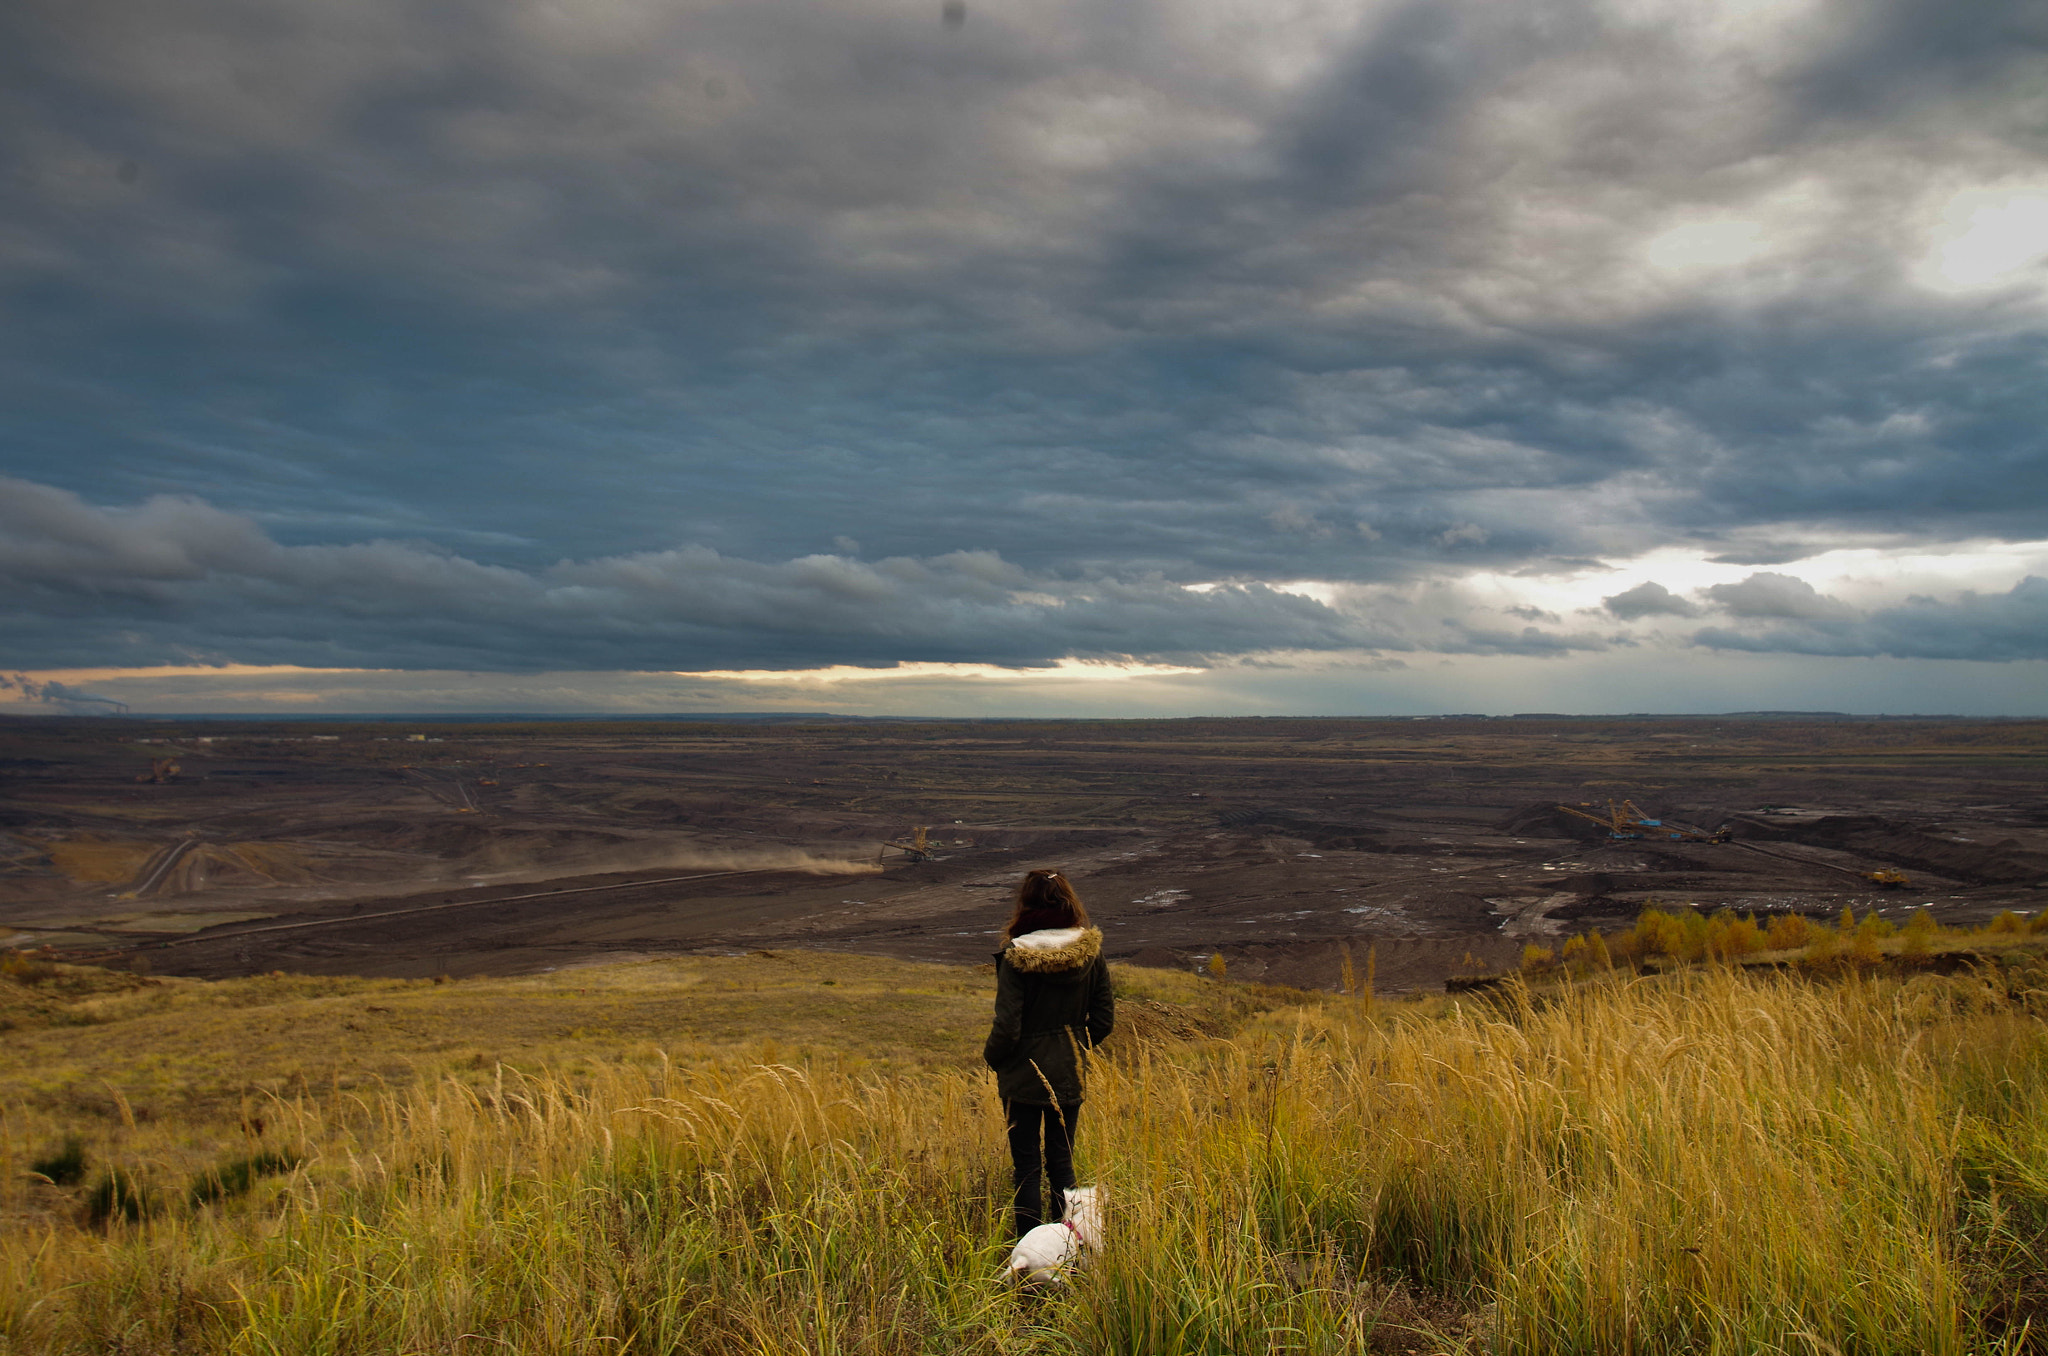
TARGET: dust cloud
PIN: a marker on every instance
(764, 859)
(659, 856)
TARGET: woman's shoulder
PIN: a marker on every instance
(1054, 949)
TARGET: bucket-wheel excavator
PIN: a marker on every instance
(917, 849)
(161, 771)
(1624, 820)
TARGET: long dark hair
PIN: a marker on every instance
(1045, 899)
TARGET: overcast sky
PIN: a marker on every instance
(1042, 356)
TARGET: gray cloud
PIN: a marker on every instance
(1766, 553)
(1768, 594)
(1995, 627)
(109, 586)
(1649, 599)
(1920, 51)
(426, 333)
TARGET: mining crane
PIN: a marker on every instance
(918, 849)
(1624, 820)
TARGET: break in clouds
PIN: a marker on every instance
(685, 335)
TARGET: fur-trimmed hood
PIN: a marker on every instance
(1054, 949)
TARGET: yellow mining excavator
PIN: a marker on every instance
(161, 770)
(1885, 878)
(918, 849)
(1624, 820)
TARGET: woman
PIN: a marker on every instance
(1053, 1004)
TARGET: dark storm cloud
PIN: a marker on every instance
(599, 307)
(180, 577)
(1909, 51)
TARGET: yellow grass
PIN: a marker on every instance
(1713, 1161)
(179, 1047)
(1666, 934)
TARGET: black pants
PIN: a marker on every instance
(1027, 1124)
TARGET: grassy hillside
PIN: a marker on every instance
(179, 1048)
(618, 1160)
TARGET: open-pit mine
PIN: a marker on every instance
(1416, 849)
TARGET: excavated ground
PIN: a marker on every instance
(1418, 849)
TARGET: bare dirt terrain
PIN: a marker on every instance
(1424, 848)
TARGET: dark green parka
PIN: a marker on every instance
(1053, 1005)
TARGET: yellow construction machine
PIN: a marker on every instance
(1624, 820)
(918, 849)
(161, 770)
(1885, 878)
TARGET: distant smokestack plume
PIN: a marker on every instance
(73, 701)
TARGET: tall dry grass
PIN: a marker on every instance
(1710, 1162)
(1686, 933)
